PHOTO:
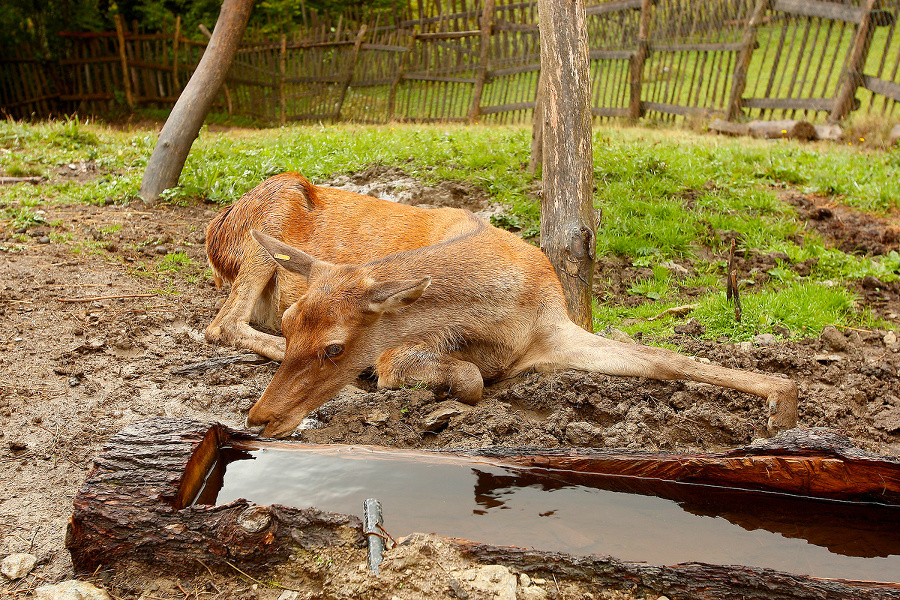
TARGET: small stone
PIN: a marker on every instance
(44, 239)
(890, 338)
(617, 335)
(870, 282)
(532, 593)
(834, 339)
(888, 419)
(496, 581)
(745, 346)
(524, 580)
(692, 328)
(765, 339)
(377, 417)
(440, 418)
(71, 590)
(457, 590)
(16, 566)
(826, 358)
(289, 595)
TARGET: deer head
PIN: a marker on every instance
(329, 334)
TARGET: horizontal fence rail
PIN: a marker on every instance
(479, 61)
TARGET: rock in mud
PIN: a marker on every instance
(440, 418)
(18, 565)
(765, 339)
(835, 340)
(71, 590)
(495, 580)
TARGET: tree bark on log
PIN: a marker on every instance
(567, 215)
(184, 122)
(135, 505)
(138, 504)
(686, 581)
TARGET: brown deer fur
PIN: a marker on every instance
(425, 296)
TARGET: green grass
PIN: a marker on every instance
(665, 194)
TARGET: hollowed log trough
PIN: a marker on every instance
(136, 505)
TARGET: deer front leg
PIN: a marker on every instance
(414, 364)
(231, 326)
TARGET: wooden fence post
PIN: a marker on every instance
(537, 129)
(635, 110)
(351, 68)
(487, 24)
(401, 71)
(176, 86)
(862, 41)
(748, 44)
(282, 77)
(123, 58)
(567, 214)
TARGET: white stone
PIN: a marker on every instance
(289, 595)
(533, 593)
(495, 580)
(16, 566)
(71, 590)
(524, 580)
(890, 338)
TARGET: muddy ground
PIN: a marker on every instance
(92, 324)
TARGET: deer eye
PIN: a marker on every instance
(333, 350)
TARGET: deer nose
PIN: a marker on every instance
(254, 428)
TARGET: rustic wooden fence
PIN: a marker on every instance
(479, 60)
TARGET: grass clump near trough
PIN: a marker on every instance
(668, 197)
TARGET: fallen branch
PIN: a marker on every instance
(219, 362)
(675, 311)
(14, 180)
(116, 297)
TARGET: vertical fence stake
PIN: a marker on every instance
(123, 58)
(487, 24)
(282, 77)
(748, 44)
(177, 86)
(351, 69)
(862, 41)
(401, 71)
(635, 110)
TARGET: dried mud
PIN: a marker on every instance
(73, 371)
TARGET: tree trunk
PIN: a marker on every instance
(183, 124)
(567, 215)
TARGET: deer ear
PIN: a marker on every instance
(292, 259)
(391, 295)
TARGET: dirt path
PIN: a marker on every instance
(99, 307)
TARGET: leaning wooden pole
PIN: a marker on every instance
(567, 212)
(183, 124)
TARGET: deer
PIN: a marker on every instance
(424, 296)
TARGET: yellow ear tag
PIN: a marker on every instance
(282, 256)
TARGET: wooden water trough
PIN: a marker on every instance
(144, 501)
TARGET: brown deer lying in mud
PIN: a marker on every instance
(432, 296)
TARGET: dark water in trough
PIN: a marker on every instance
(630, 518)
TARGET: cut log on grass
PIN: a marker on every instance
(787, 129)
(894, 137)
(831, 132)
(729, 127)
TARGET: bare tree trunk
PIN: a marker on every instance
(567, 215)
(183, 124)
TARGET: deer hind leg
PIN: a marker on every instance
(585, 351)
(232, 324)
(414, 364)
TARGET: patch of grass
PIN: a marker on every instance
(176, 262)
(803, 307)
